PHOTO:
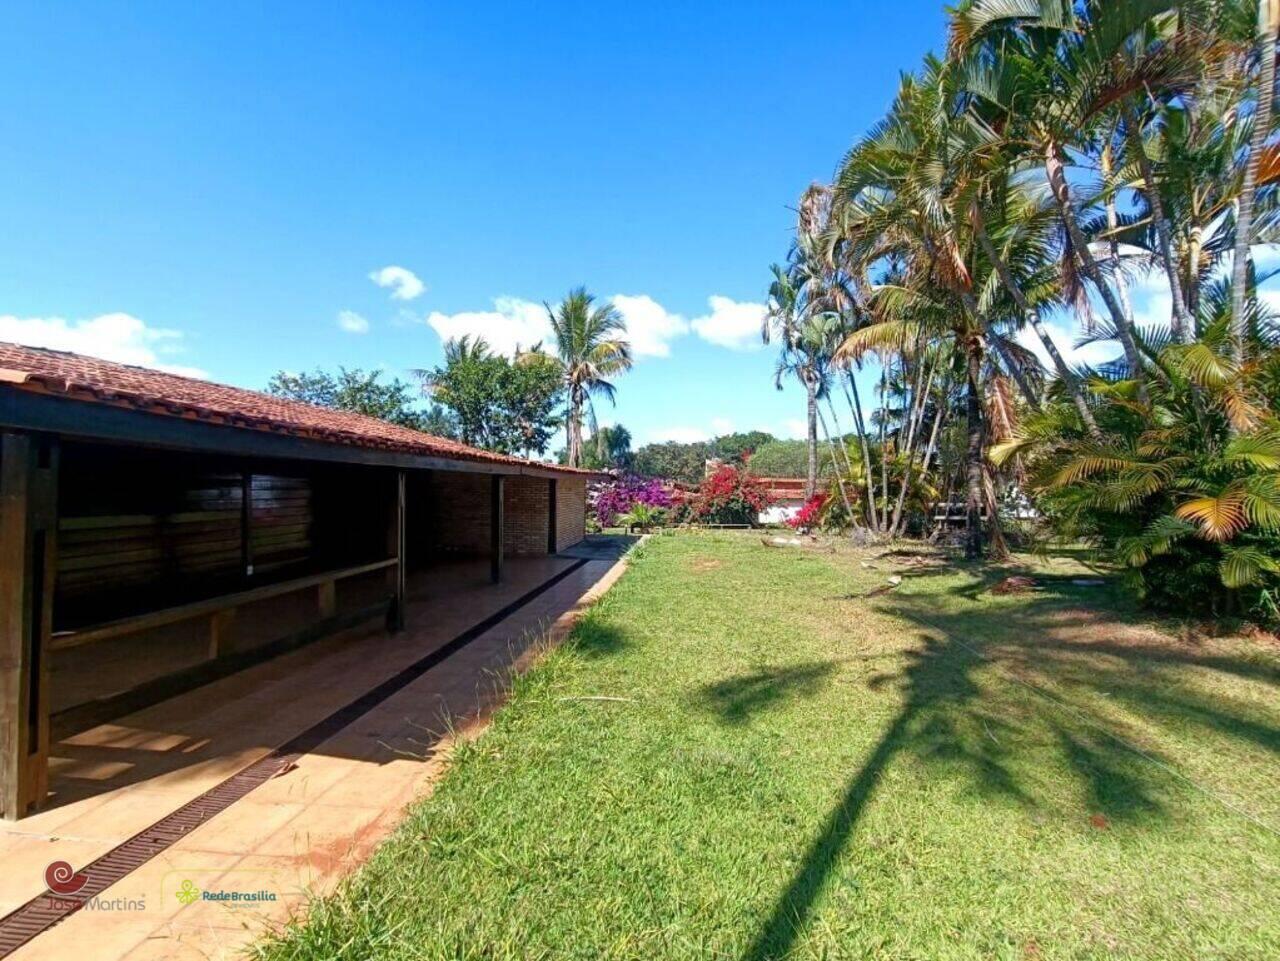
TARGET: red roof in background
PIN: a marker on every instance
(784, 486)
(78, 377)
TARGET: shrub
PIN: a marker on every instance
(620, 496)
(729, 496)
(810, 514)
(1182, 487)
(644, 517)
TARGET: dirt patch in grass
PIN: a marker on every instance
(705, 565)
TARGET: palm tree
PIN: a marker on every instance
(1268, 27)
(902, 193)
(785, 320)
(805, 357)
(1052, 77)
(589, 349)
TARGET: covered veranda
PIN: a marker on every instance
(160, 534)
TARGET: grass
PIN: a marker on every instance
(799, 770)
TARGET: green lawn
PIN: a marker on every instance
(796, 769)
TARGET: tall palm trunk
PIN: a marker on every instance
(1062, 195)
(1019, 378)
(811, 479)
(884, 445)
(1113, 245)
(1268, 24)
(840, 473)
(856, 402)
(1065, 374)
(575, 427)
(918, 404)
(973, 461)
(1184, 328)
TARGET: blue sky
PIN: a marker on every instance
(209, 186)
(217, 187)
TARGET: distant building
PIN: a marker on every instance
(786, 497)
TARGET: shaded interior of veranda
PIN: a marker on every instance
(145, 554)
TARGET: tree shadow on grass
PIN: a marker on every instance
(594, 638)
(736, 699)
(946, 718)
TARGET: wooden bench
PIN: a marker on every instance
(219, 610)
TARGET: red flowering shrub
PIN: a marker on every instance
(729, 496)
(808, 514)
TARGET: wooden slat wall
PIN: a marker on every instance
(200, 535)
(170, 525)
(282, 519)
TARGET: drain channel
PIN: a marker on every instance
(45, 910)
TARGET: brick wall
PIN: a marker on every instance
(571, 511)
(458, 504)
(526, 508)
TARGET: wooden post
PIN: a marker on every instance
(246, 524)
(219, 624)
(551, 516)
(495, 528)
(396, 544)
(327, 596)
(28, 565)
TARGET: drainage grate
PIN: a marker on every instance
(45, 910)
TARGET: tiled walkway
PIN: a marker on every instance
(297, 834)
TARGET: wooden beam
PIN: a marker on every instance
(28, 563)
(551, 516)
(396, 542)
(497, 486)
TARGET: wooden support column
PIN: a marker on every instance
(219, 625)
(327, 598)
(28, 562)
(246, 524)
(495, 528)
(396, 544)
(551, 516)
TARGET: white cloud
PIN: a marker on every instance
(352, 322)
(731, 324)
(649, 325)
(120, 337)
(512, 323)
(794, 429)
(721, 426)
(1065, 330)
(679, 434)
(402, 282)
(1152, 307)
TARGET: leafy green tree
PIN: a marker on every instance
(739, 446)
(672, 460)
(609, 448)
(361, 392)
(787, 458)
(501, 406)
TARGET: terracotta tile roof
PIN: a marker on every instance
(784, 487)
(100, 381)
